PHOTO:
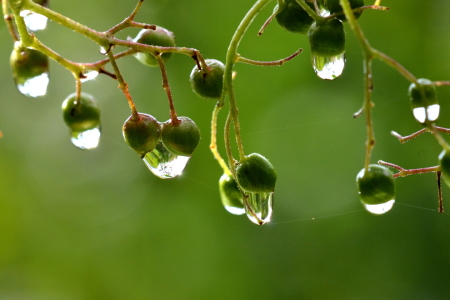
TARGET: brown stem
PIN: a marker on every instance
(404, 172)
(166, 87)
(440, 199)
(279, 62)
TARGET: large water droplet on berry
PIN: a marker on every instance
(34, 86)
(328, 68)
(86, 140)
(379, 209)
(164, 163)
(421, 114)
(34, 22)
(258, 207)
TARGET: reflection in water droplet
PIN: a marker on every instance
(86, 140)
(328, 68)
(35, 86)
(164, 163)
(89, 75)
(379, 209)
(235, 210)
(259, 207)
(231, 195)
(34, 22)
(420, 114)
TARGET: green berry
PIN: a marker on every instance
(444, 162)
(28, 64)
(256, 174)
(376, 186)
(292, 17)
(209, 84)
(230, 194)
(81, 115)
(424, 102)
(335, 8)
(181, 138)
(327, 39)
(141, 133)
(158, 37)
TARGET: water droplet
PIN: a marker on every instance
(230, 195)
(379, 209)
(34, 86)
(328, 68)
(163, 163)
(34, 22)
(89, 75)
(86, 140)
(258, 207)
(421, 114)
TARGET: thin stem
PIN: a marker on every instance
(439, 137)
(128, 22)
(440, 199)
(442, 83)
(311, 12)
(230, 61)
(123, 86)
(404, 172)
(166, 87)
(377, 2)
(213, 144)
(404, 139)
(368, 86)
(9, 21)
(231, 160)
(279, 62)
(354, 25)
(267, 22)
(395, 65)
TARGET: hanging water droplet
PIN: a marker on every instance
(328, 68)
(258, 207)
(379, 209)
(432, 111)
(86, 140)
(89, 75)
(163, 163)
(34, 22)
(230, 195)
(34, 86)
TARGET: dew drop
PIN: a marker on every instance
(89, 75)
(328, 68)
(230, 195)
(379, 209)
(34, 86)
(86, 140)
(34, 22)
(421, 115)
(163, 163)
(258, 207)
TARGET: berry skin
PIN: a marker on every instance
(81, 115)
(208, 85)
(180, 139)
(292, 17)
(229, 192)
(158, 37)
(335, 7)
(141, 134)
(444, 162)
(256, 174)
(424, 99)
(327, 39)
(376, 186)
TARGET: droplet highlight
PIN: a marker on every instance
(33, 21)
(34, 86)
(259, 207)
(379, 209)
(421, 114)
(163, 163)
(86, 140)
(230, 195)
(328, 68)
(89, 75)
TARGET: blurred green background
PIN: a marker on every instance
(98, 225)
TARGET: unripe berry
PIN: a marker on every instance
(182, 138)
(231, 195)
(209, 84)
(256, 174)
(424, 102)
(158, 37)
(82, 114)
(444, 162)
(335, 7)
(376, 186)
(292, 17)
(327, 39)
(142, 133)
